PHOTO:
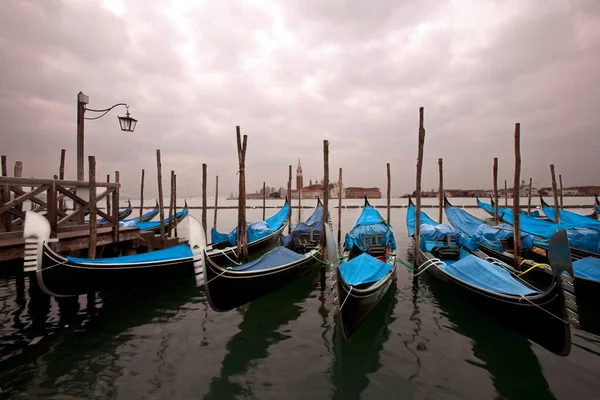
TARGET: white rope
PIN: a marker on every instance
(226, 256)
(206, 283)
(427, 264)
(543, 309)
(55, 265)
(348, 295)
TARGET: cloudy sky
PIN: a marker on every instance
(295, 72)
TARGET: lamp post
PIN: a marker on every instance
(126, 123)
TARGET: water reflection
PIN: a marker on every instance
(259, 329)
(355, 359)
(507, 355)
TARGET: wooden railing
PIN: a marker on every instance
(49, 195)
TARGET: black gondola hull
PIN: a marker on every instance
(227, 289)
(356, 305)
(541, 322)
(60, 277)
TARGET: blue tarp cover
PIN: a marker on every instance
(364, 269)
(275, 258)
(582, 239)
(410, 220)
(312, 224)
(588, 268)
(256, 231)
(484, 234)
(172, 253)
(485, 275)
(144, 226)
(572, 220)
(490, 209)
(370, 224)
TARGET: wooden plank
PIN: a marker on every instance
(61, 176)
(37, 181)
(23, 197)
(108, 197)
(52, 203)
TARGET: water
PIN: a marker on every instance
(422, 342)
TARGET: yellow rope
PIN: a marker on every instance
(535, 265)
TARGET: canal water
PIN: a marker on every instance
(164, 342)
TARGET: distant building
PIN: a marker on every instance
(360, 192)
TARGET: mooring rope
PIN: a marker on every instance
(543, 309)
(348, 295)
(226, 256)
(535, 265)
(55, 265)
(206, 283)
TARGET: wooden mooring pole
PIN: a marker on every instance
(289, 191)
(561, 190)
(18, 173)
(107, 197)
(115, 207)
(204, 198)
(505, 193)
(555, 195)
(529, 199)
(441, 190)
(175, 205)
(93, 212)
(4, 195)
(217, 202)
(341, 194)
(418, 184)
(242, 232)
(170, 225)
(517, 198)
(325, 218)
(142, 194)
(264, 201)
(389, 192)
(495, 172)
(61, 176)
(161, 209)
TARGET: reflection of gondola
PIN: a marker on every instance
(259, 329)
(356, 358)
(508, 356)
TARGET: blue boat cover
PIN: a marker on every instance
(144, 226)
(368, 225)
(582, 239)
(364, 269)
(570, 219)
(485, 275)
(410, 220)
(312, 224)
(484, 234)
(588, 268)
(275, 258)
(256, 231)
(490, 209)
(172, 253)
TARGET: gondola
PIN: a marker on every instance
(146, 217)
(262, 236)
(570, 219)
(231, 287)
(122, 214)
(154, 226)
(583, 242)
(60, 276)
(542, 316)
(597, 203)
(366, 270)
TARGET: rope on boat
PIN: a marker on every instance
(318, 259)
(55, 265)
(348, 295)
(423, 267)
(535, 265)
(543, 309)
(224, 270)
(226, 256)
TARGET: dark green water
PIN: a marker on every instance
(422, 342)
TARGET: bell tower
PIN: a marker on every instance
(299, 183)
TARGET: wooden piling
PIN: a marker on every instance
(264, 201)
(529, 200)
(505, 193)
(517, 199)
(561, 191)
(441, 190)
(142, 194)
(107, 197)
(175, 205)
(289, 196)
(115, 208)
(217, 202)
(170, 224)
(242, 232)
(389, 192)
(93, 212)
(204, 205)
(495, 172)
(5, 195)
(555, 195)
(325, 218)
(299, 205)
(18, 173)
(418, 184)
(161, 209)
(341, 194)
(61, 176)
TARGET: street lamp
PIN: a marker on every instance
(126, 123)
